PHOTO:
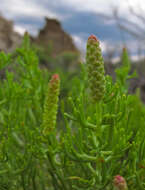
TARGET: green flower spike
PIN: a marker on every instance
(95, 65)
(51, 105)
(120, 183)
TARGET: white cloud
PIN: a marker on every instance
(21, 30)
(14, 8)
(86, 5)
(93, 5)
(103, 45)
(35, 8)
(79, 42)
(105, 6)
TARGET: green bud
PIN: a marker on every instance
(95, 65)
(51, 105)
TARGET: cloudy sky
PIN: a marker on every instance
(80, 18)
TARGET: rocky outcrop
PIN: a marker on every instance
(53, 35)
(9, 39)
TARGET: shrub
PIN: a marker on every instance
(102, 143)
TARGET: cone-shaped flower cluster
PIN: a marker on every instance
(95, 65)
(120, 183)
(51, 105)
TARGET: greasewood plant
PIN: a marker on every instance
(101, 145)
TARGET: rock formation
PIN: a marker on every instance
(9, 39)
(51, 35)
(54, 35)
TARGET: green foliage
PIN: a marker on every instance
(45, 55)
(99, 140)
(65, 61)
(124, 71)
